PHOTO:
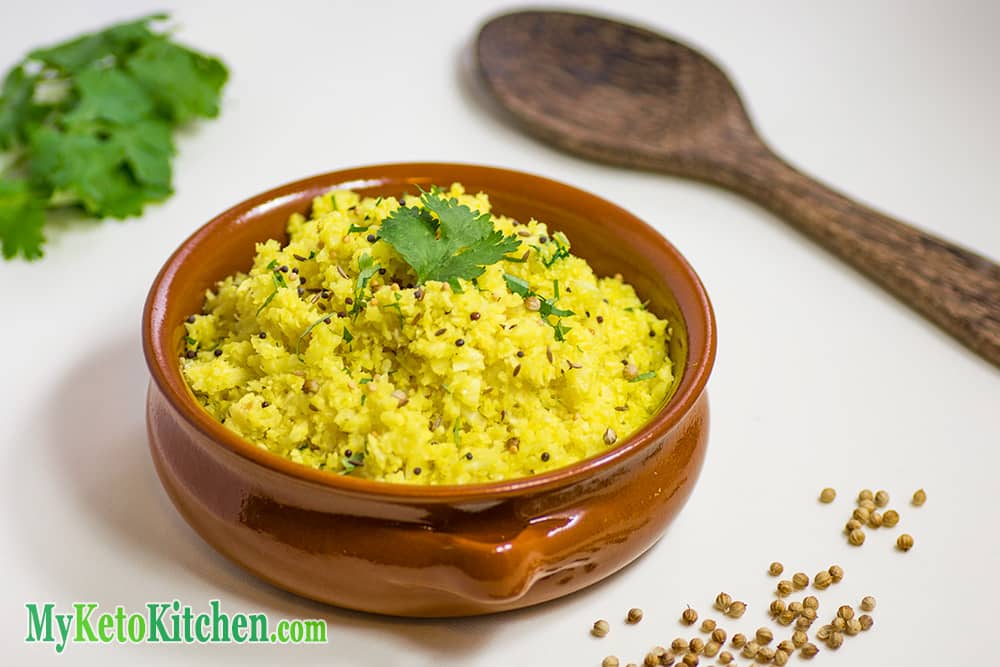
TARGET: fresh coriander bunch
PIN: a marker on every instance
(89, 123)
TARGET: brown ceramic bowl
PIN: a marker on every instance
(415, 550)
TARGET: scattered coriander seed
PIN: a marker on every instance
(696, 645)
(780, 657)
(804, 622)
(764, 636)
(861, 514)
(723, 601)
(777, 606)
(865, 494)
(890, 518)
(867, 505)
(601, 628)
(679, 645)
(786, 617)
(809, 614)
(823, 579)
(799, 639)
(690, 659)
(867, 603)
(739, 640)
(919, 497)
(784, 588)
(725, 658)
(656, 656)
(796, 607)
(836, 573)
(610, 661)
(853, 524)
(853, 627)
(808, 650)
(775, 569)
(846, 612)
(750, 650)
(839, 624)
(533, 303)
(904, 542)
(824, 633)
(634, 616)
(800, 580)
(736, 609)
(610, 437)
(707, 625)
(835, 641)
(882, 498)
(689, 616)
(866, 622)
(786, 645)
(827, 495)
(719, 636)
(857, 537)
(811, 602)
(765, 654)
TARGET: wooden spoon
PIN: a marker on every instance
(631, 97)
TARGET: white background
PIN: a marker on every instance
(821, 379)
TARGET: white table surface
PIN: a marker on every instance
(821, 378)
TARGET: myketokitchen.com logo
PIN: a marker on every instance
(163, 622)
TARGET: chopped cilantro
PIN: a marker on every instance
(355, 228)
(648, 375)
(90, 123)
(445, 241)
(298, 342)
(347, 335)
(561, 244)
(355, 460)
(367, 267)
(547, 307)
(190, 341)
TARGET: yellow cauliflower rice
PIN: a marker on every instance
(329, 353)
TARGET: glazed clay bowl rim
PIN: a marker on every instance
(163, 359)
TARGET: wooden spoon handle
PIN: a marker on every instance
(955, 288)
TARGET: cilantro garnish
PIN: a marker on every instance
(546, 307)
(445, 241)
(302, 336)
(354, 228)
(367, 267)
(355, 460)
(561, 244)
(279, 282)
(347, 336)
(90, 123)
(648, 375)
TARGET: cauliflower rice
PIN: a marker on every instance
(424, 385)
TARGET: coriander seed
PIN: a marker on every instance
(736, 609)
(866, 622)
(765, 654)
(800, 580)
(803, 622)
(785, 645)
(707, 626)
(839, 624)
(808, 650)
(867, 505)
(739, 640)
(919, 497)
(777, 606)
(750, 650)
(679, 645)
(865, 494)
(784, 588)
(827, 495)
(691, 660)
(764, 636)
(796, 607)
(775, 569)
(904, 542)
(809, 613)
(835, 641)
(722, 601)
(853, 524)
(861, 514)
(810, 602)
(875, 520)
(725, 658)
(719, 636)
(689, 616)
(824, 633)
(696, 645)
(853, 627)
(780, 657)
(867, 603)
(610, 661)
(634, 616)
(786, 617)
(846, 612)
(799, 639)
(890, 518)
(658, 656)
(882, 498)
(822, 580)
(711, 648)
(836, 573)
(601, 628)
(857, 537)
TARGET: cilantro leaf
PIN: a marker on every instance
(458, 243)
(15, 104)
(109, 94)
(21, 219)
(185, 84)
(118, 41)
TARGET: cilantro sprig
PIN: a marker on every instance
(546, 307)
(279, 282)
(445, 241)
(89, 123)
(367, 268)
